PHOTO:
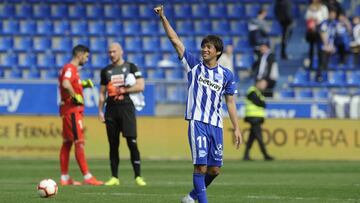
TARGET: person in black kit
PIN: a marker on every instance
(266, 67)
(120, 115)
(282, 10)
(255, 115)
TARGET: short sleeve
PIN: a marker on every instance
(135, 70)
(230, 85)
(189, 61)
(103, 79)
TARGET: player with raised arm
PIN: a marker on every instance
(207, 83)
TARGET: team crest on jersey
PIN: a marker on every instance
(219, 150)
(218, 76)
(209, 83)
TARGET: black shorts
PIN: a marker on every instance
(121, 118)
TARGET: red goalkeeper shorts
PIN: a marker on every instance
(73, 129)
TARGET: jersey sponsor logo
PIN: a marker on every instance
(208, 83)
(118, 80)
(202, 153)
(11, 98)
(68, 74)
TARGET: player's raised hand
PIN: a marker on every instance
(159, 10)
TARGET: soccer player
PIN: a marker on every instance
(71, 111)
(207, 83)
(120, 110)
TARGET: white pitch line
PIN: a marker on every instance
(273, 197)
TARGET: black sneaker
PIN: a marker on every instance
(269, 158)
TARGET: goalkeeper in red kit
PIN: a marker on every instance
(71, 111)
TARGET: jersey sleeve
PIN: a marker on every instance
(230, 86)
(135, 70)
(103, 79)
(189, 61)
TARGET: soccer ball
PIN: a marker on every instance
(47, 188)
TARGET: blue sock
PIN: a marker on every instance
(199, 187)
(208, 179)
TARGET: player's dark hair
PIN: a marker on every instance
(80, 49)
(216, 41)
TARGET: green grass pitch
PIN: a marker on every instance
(168, 181)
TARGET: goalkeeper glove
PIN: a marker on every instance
(78, 99)
(87, 83)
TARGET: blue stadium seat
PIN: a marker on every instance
(203, 27)
(2, 73)
(151, 60)
(176, 74)
(130, 11)
(176, 94)
(86, 73)
(151, 44)
(337, 78)
(23, 44)
(62, 59)
(23, 10)
(59, 11)
(200, 10)
(321, 94)
(96, 28)
(239, 28)
(160, 93)
(77, 11)
(270, 12)
(149, 28)
(357, 11)
(51, 74)
(165, 45)
(217, 10)
(222, 27)
(275, 29)
(46, 61)
(94, 11)
(61, 44)
(33, 74)
(169, 10)
(157, 74)
(137, 59)
(132, 27)
(7, 10)
(15, 74)
(10, 27)
(27, 27)
(98, 44)
(112, 11)
(305, 94)
(287, 94)
(133, 44)
(189, 43)
(245, 61)
(236, 11)
(147, 11)
(6, 43)
(182, 11)
(252, 10)
(41, 44)
(99, 61)
(79, 27)
(184, 27)
(81, 40)
(41, 11)
(301, 79)
(44, 27)
(61, 27)
(27, 61)
(243, 46)
(9, 61)
(114, 27)
(353, 79)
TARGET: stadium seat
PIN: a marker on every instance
(114, 27)
(252, 10)
(182, 10)
(94, 11)
(275, 29)
(337, 79)
(132, 27)
(15, 74)
(99, 61)
(151, 60)
(150, 44)
(27, 61)
(353, 79)
(61, 44)
(41, 11)
(236, 11)
(175, 94)
(244, 61)
(130, 11)
(176, 74)
(2, 73)
(23, 44)
(41, 44)
(357, 11)
(149, 28)
(189, 43)
(46, 61)
(9, 60)
(202, 27)
(304, 94)
(96, 28)
(160, 93)
(51, 74)
(217, 10)
(243, 46)
(165, 45)
(239, 28)
(287, 94)
(77, 11)
(79, 27)
(62, 59)
(7, 10)
(301, 79)
(147, 11)
(200, 10)
(10, 27)
(81, 40)
(222, 27)
(86, 73)
(112, 11)
(44, 27)
(98, 44)
(23, 11)
(27, 27)
(137, 59)
(61, 27)
(321, 94)
(133, 44)
(184, 27)
(6, 43)
(59, 11)
(33, 74)
(157, 74)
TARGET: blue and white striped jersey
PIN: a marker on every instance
(206, 86)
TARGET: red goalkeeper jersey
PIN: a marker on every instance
(67, 106)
